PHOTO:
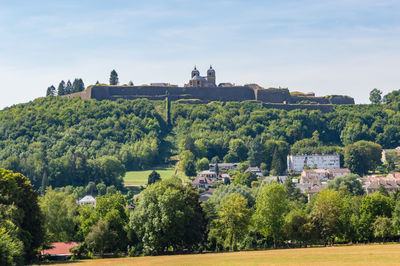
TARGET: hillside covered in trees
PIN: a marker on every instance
(58, 141)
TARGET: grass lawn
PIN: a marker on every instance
(138, 178)
(339, 255)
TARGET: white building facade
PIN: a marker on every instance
(319, 161)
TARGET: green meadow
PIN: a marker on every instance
(138, 178)
(376, 254)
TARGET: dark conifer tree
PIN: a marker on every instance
(61, 88)
(51, 91)
(78, 85)
(81, 85)
(153, 177)
(68, 87)
(256, 152)
(114, 78)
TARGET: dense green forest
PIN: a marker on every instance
(71, 147)
(58, 141)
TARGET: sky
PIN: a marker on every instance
(327, 47)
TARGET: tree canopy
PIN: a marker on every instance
(19, 208)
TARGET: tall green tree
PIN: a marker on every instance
(375, 96)
(51, 91)
(11, 248)
(383, 228)
(203, 164)
(60, 212)
(348, 184)
(372, 206)
(17, 191)
(326, 215)
(101, 189)
(168, 214)
(275, 156)
(153, 177)
(256, 152)
(187, 163)
(362, 156)
(298, 227)
(109, 214)
(77, 85)
(61, 88)
(68, 87)
(102, 238)
(396, 218)
(271, 207)
(114, 78)
(232, 225)
(237, 151)
(245, 178)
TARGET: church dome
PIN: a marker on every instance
(195, 72)
(211, 72)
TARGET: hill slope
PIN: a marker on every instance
(59, 141)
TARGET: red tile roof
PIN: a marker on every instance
(201, 180)
(59, 248)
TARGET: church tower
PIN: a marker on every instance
(211, 76)
(195, 72)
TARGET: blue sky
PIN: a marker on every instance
(328, 47)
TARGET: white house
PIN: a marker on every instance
(209, 174)
(255, 170)
(321, 161)
(224, 166)
(88, 200)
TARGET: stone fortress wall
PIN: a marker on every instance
(204, 89)
(208, 94)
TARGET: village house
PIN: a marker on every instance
(209, 174)
(323, 174)
(59, 250)
(255, 170)
(311, 188)
(224, 166)
(224, 177)
(372, 183)
(313, 181)
(319, 161)
(202, 182)
(87, 200)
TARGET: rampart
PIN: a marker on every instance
(274, 98)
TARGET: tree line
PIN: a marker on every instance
(168, 218)
(66, 88)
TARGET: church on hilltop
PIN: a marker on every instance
(199, 81)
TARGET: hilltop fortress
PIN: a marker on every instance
(201, 89)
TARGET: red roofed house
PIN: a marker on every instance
(202, 182)
(323, 174)
(59, 250)
(371, 183)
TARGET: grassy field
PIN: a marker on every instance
(138, 178)
(349, 255)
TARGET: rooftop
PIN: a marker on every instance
(59, 249)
